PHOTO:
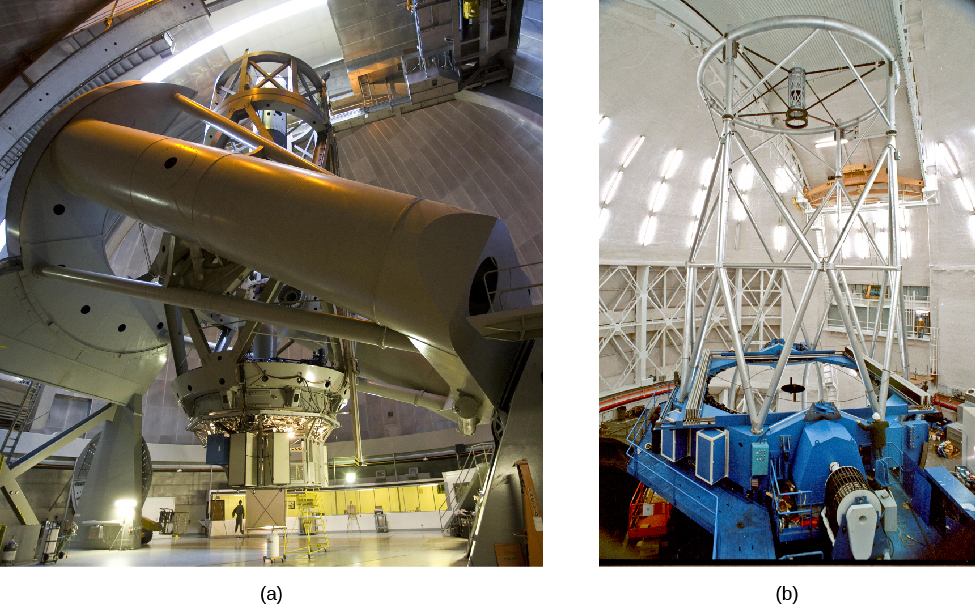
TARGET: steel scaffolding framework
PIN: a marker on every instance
(641, 318)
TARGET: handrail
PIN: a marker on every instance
(610, 402)
(471, 462)
(492, 294)
(801, 497)
(675, 489)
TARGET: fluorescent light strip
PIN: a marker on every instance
(691, 232)
(860, 245)
(699, 203)
(649, 227)
(829, 142)
(947, 158)
(673, 161)
(658, 197)
(746, 178)
(232, 32)
(603, 220)
(706, 169)
(783, 180)
(739, 208)
(636, 148)
(964, 195)
(778, 237)
(613, 186)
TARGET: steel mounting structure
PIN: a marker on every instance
(821, 265)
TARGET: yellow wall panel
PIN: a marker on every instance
(381, 496)
(367, 498)
(426, 499)
(326, 503)
(411, 499)
(395, 500)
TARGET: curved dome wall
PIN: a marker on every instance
(467, 154)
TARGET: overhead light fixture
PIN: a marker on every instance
(603, 220)
(658, 197)
(829, 142)
(649, 227)
(906, 248)
(746, 177)
(947, 158)
(231, 32)
(636, 148)
(963, 193)
(699, 203)
(350, 478)
(962, 190)
(881, 238)
(778, 237)
(739, 208)
(706, 170)
(691, 232)
(612, 187)
(860, 245)
(179, 469)
(783, 181)
(126, 503)
(673, 161)
(847, 247)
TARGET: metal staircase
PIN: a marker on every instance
(21, 420)
(457, 513)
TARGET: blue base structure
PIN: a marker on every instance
(807, 481)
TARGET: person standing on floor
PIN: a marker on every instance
(238, 513)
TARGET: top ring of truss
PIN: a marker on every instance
(816, 48)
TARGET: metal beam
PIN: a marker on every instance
(265, 148)
(55, 444)
(316, 322)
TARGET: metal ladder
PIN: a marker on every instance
(20, 420)
(829, 381)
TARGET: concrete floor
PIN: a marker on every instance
(398, 548)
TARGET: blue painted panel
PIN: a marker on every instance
(674, 443)
(820, 444)
(710, 462)
(954, 490)
(218, 450)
